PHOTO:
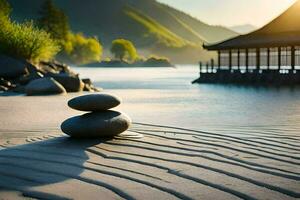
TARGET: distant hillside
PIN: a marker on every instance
(155, 28)
(243, 29)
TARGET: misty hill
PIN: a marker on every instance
(154, 28)
(243, 29)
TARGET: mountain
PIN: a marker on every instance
(154, 28)
(243, 29)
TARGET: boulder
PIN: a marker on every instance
(29, 66)
(70, 83)
(11, 68)
(96, 89)
(87, 88)
(56, 67)
(5, 83)
(25, 79)
(87, 81)
(94, 102)
(19, 89)
(44, 86)
(3, 88)
(45, 68)
(103, 124)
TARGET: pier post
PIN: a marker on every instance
(207, 66)
(219, 60)
(268, 59)
(200, 67)
(247, 60)
(257, 59)
(212, 64)
(279, 58)
(238, 60)
(293, 58)
(230, 60)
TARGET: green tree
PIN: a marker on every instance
(54, 21)
(123, 49)
(79, 49)
(5, 8)
(76, 48)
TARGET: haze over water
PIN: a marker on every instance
(166, 96)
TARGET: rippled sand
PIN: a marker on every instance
(170, 162)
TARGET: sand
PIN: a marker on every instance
(37, 161)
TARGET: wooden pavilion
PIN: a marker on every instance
(270, 54)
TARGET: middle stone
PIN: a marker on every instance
(94, 102)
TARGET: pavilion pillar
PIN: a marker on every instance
(207, 67)
(200, 67)
(268, 58)
(219, 60)
(257, 59)
(279, 58)
(238, 60)
(230, 60)
(293, 58)
(247, 60)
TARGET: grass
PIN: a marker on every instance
(25, 41)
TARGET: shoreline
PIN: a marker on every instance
(170, 162)
(182, 156)
(124, 67)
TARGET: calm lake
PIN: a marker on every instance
(166, 96)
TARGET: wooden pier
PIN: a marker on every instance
(269, 55)
(250, 76)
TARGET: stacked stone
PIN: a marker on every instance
(100, 121)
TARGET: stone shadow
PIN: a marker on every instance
(43, 163)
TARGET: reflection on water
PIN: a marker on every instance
(166, 96)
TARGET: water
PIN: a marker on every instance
(166, 96)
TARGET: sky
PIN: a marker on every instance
(232, 12)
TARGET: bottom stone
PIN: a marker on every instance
(96, 125)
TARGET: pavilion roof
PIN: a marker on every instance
(282, 31)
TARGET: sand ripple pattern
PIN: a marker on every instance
(168, 163)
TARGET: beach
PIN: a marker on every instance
(200, 142)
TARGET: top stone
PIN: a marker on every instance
(94, 102)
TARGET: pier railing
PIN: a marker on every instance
(283, 75)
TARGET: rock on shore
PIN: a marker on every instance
(44, 86)
(11, 68)
(16, 74)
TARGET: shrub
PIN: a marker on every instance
(26, 41)
(154, 60)
(123, 49)
(155, 57)
(81, 50)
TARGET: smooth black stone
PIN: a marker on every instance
(96, 125)
(94, 102)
